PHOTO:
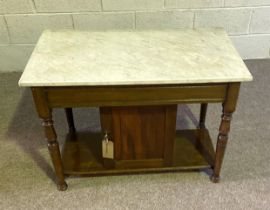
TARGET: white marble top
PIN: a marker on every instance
(76, 58)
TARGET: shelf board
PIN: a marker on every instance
(81, 155)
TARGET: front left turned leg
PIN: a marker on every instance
(228, 109)
(55, 153)
(45, 113)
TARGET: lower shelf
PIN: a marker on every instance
(81, 155)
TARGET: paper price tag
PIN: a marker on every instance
(107, 149)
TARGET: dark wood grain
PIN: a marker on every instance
(170, 132)
(141, 132)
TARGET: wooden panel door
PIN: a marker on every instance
(141, 132)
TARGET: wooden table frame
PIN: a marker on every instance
(47, 98)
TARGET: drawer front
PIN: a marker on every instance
(132, 96)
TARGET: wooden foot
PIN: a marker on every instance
(62, 187)
(228, 108)
(215, 179)
(70, 120)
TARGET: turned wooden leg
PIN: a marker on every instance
(221, 143)
(201, 126)
(53, 147)
(228, 109)
(44, 112)
(69, 115)
(203, 115)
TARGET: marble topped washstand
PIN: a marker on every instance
(137, 78)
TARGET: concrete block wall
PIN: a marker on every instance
(22, 21)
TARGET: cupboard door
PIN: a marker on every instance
(141, 132)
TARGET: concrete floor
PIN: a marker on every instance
(26, 180)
